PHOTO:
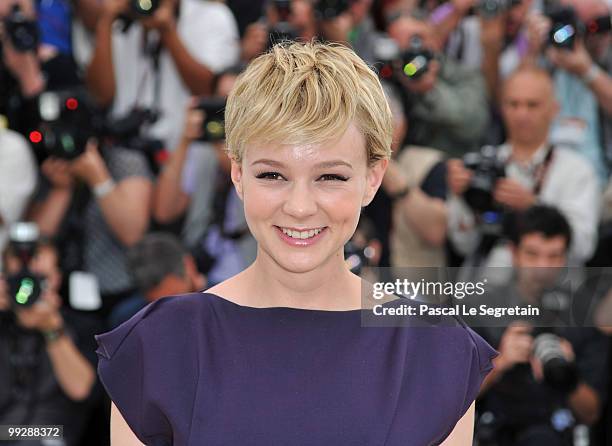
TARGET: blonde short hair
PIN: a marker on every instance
(307, 93)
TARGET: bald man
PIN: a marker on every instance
(536, 172)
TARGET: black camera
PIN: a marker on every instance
(566, 27)
(24, 287)
(559, 373)
(493, 8)
(416, 59)
(22, 31)
(67, 121)
(487, 170)
(144, 7)
(213, 127)
(330, 9)
(69, 118)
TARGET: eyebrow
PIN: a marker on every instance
(324, 164)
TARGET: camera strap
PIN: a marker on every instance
(542, 170)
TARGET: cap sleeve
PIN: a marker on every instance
(480, 365)
(126, 370)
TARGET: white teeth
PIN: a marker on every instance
(301, 234)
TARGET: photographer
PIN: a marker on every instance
(541, 372)
(445, 103)
(98, 205)
(161, 266)
(46, 360)
(195, 183)
(535, 171)
(415, 181)
(155, 59)
(581, 61)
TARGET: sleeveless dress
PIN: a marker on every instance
(200, 370)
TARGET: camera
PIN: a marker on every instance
(213, 127)
(493, 8)
(566, 27)
(22, 31)
(69, 118)
(330, 9)
(67, 121)
(487, 170)
(559, 373)
(24, 287)
(415, 60)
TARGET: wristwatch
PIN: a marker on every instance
(53, 335)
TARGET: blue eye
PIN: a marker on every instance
(333, 177)
(269, 176)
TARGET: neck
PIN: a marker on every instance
(523, 151)
(329, 287)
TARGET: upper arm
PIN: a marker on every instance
(121, 434)
(463, 433)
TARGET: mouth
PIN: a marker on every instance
(300, 237)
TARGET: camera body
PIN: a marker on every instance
(493, 8)
(566, 27)
(67, 121)
(22, 31)
(487, 170)
(213, 127)
(69, 118)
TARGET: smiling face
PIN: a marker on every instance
(302, 202)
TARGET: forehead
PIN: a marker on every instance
(528, 86)
(349, 147)
(537, 240)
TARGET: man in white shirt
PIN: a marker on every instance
(159, 61)
(18, 176)
(535, 170)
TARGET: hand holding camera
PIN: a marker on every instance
(58, 172)
(194, 120)
(515, 347)
(90, 166)
(576, 61)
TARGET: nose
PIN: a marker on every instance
(300, 201)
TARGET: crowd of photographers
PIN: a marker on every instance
(114, 185)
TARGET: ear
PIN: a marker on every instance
(236, 173)
(374, 177)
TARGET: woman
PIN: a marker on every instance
(277, 354)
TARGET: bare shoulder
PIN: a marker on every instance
(463, 432)
(121, 434)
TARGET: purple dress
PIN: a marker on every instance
(200, 370)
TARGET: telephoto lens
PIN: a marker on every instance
(559, 373)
